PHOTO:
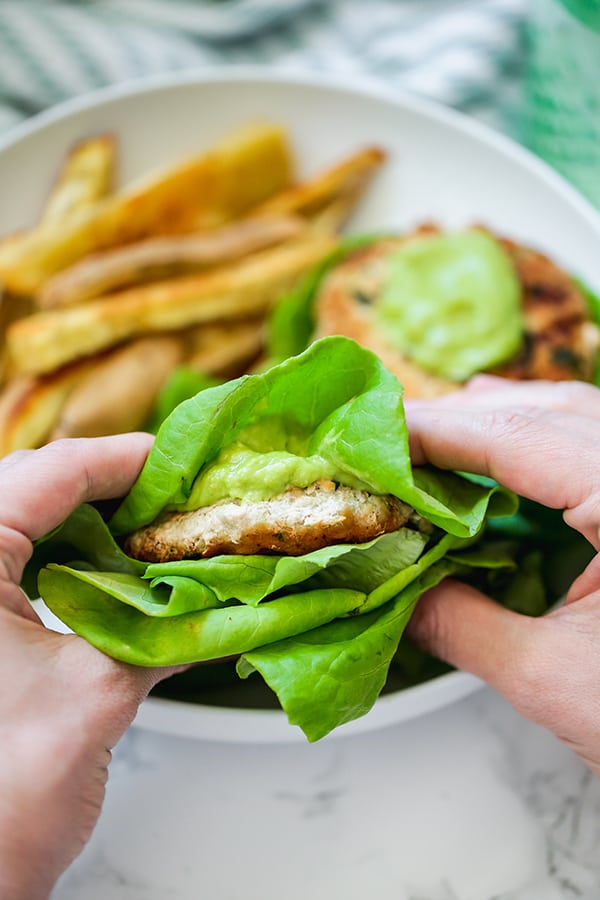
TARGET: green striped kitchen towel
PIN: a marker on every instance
(466, 53)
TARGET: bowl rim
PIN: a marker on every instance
(270, 726)
(347, 84)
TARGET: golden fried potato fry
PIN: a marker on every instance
(164, 257)
(48, 340)
(310, 197)
(215, 187)
(85, 176)
(119, 389)
(225, 349)
(332, 217)
(30, 406)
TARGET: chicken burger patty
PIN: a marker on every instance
(560, 340)
(295, 522)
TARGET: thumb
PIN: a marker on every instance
(458, 624)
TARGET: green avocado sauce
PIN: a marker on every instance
(452, 303)
(266, 458)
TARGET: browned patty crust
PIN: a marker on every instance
(295, 522)
(560, 341)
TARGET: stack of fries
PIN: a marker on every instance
(112, 289)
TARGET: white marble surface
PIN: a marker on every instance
(465, 803)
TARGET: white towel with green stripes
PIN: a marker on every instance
(465, 53)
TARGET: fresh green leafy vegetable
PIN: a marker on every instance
(322, 628)
(347, 660)
(182, 384)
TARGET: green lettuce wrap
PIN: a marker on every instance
(320, 627)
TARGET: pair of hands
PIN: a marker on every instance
(64, 705)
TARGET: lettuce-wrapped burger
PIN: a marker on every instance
(278, 520)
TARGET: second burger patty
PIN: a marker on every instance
(295, 522)
(560, 341)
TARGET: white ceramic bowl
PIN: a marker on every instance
(441, 166)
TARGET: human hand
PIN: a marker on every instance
(541, 440)
(63, 704)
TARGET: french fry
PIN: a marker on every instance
(119, 389)
(330, 219)
(225, 349)
(215, 187)
(326, 200)
(85, 176)
(164, 257)
(48, 340)
(30, 406)
(346, 179)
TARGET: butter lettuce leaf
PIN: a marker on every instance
(334, 674)
(251, 579)
(81, 601)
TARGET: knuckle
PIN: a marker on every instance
(68, 456)
(59, 447)
(55, 453)
(572, 396)
(522, 422)
(511, 422)
(15, 549)
(14, 457)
